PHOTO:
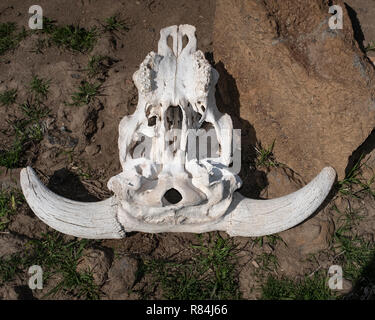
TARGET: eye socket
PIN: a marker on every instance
(151, 121)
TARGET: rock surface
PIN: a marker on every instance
(280, 182)
(97, 262)
(363, 12)
(309, 237)
(29, 226)
(9, 178)
(299, 82)
(10, 244)
(121, 278)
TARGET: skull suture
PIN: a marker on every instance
(166, 186)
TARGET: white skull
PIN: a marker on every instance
(165, 186)
(176, 97)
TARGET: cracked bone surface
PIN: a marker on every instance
(165, 185)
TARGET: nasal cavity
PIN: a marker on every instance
(172, 196)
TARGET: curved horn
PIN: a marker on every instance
(248, 217)
(92, 220)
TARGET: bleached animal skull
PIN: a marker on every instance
(162, 188)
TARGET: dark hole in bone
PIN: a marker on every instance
(203, 108)
(172, 196)
(174, 117)
(198, 116)
(170, 42)
(185, 41)
(207, 126)
(152, 121)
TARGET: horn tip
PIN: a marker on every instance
(330, 173)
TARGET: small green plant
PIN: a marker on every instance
(309, 288)
(83, 174)
(357, 254)
(11, 158)
(73, 38)
(9, 267)
(96, 65)
(113, 23)
(8, 97)
(265, 157)
(85, 94)
(9, 202)
(353, 184)
(267, 261)
(57, 256)
(49, 26)
(34, 111)
(209, 274)
(370, 47)
(29, 129)
(9, 39)
(69, 37)
(354, 252)
(39, 87)
(270, 239)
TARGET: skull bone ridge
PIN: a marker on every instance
(163, 180)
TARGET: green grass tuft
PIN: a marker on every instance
(56, 257)
(85, 94)
(96, 65)
(272, 239)
(8, 97)
(354, 184)
(28, 130)
(267, 262)
(113, 23)
(9, 39)
(73, 38)
(10, 267)
(314, 288)
(39, 87)
(354, 252)
(9, 202)
(209, 274)
(265, 157)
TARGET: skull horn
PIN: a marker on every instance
(91, 220)
(253, 218)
